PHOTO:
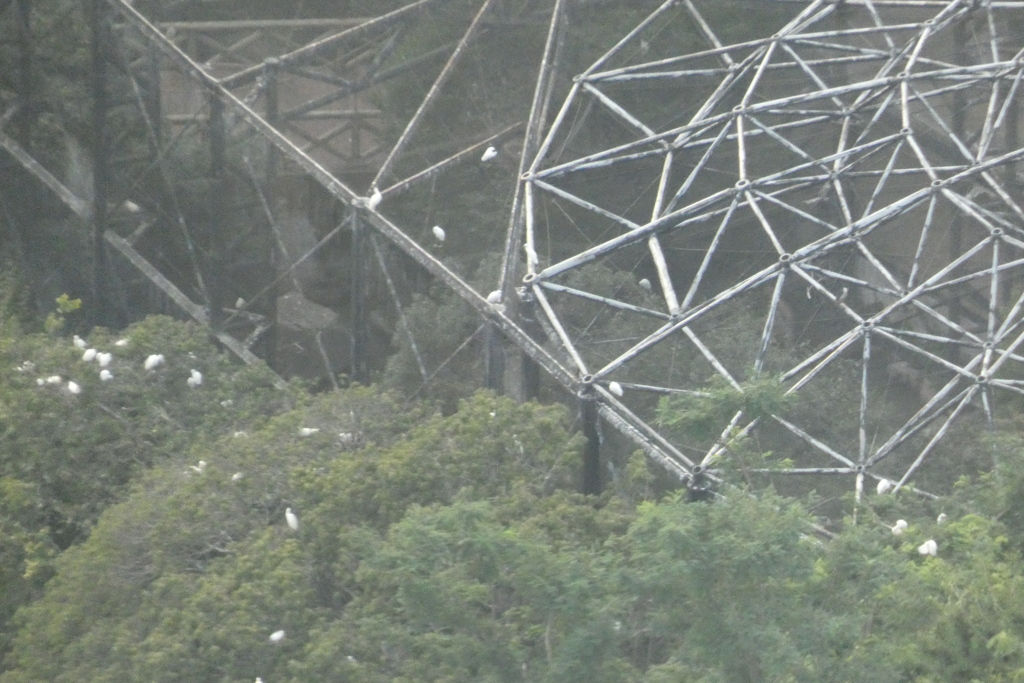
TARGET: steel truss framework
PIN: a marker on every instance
(848, 186)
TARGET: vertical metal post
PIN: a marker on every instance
(529, 371)
(494, 359)
(26, 102)
(271, 68)
(360, 369)
(154, 102)
(98, 19)
(214, 263)
(958, 123)
(591, 481)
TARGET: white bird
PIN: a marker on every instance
(615, 388)
(132, 207)
(494, 297)
(27, 366)
(154, 361)
(901, 526)
(308, 431)
(121, 342)
(54, 379)
(106, 375)
(438, 233)
(277, 636)
(489, 154)
(239, 302)
(237, 476)
(645, 284)
(375, 198)
(238, 434)
(292, 519)
(199, 467)
(351, 659)
(196, 379)
(79, 342)
(884, 486)
(74, 388)
(227, 403)
(346, 438)
(941, 518)
(929, 547)
(89, 355)
(104, 359)
(259, 680)
(40, 381)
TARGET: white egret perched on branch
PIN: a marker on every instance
(104, 359)
(645, 284)
(154, 361)
(941, 518)
(89, 355)
(79, 342)
(277, 636)
(375, 199)
(308, 431)
(439, 234)
(884, 486)
(900, 527)
(489, 154)
(200, 467)
(196, 378)
(494, 297)
(121, 342)
(292, 519)
(929, 547)
(106, 375)
(74, 388)
(615, 388)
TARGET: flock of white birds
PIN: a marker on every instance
(153, 363)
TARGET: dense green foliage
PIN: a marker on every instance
(446, 547)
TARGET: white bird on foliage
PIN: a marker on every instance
(884, 486)
(929, 547)
(78, 341)
(277, 636)
(293, 523)
(308, 431)
(375, 199)
(154, 361)
(901, 526)
(40, 381)
(489, 154)
(54, 379)
(941, 518)
(106, 375)
(615, 388)
(494, 297)
(439, 234)
(196, 379)
(104, 359)
(89, 355)
(199, 467)
(259, 680)
(132, 207)
(237, 476)
(74, 388)
(121, 342)
(645, 284)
